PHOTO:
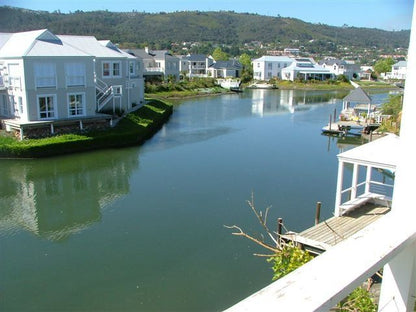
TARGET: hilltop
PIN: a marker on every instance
(167, 30)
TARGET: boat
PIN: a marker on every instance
(342, 129)
(230, 84)
(265, 85)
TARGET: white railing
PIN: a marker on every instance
(323, 282)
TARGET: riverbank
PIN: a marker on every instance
(134, 129)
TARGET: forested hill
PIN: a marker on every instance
(224, 27)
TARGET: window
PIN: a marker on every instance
(132, 68)
(46, 105)
(116, 69)
(20, 103)
(75, 74)
(14, 75)
(45, 75)
(106, 69)
(269, 65)
(76, 105)
(111, 69)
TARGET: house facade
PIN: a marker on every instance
(225, 69)
(341, 67)
(159, 63)
(47, 78)
(399, 70)
(306, 69)
(195, 65)
(268, 67)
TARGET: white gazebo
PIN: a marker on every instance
(358, 95)
(379, 154)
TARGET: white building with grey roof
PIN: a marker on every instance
(48, 79)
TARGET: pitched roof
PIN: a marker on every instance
(196, 57)
(381, 153)
(232, 64)
(357, 95)
(271, 58)
(37, 43)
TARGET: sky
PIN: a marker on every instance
(382, 14)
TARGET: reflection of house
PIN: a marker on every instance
(157, 63)
(50, 78)
(305, 68)
(63, 198)
(268, 67)
(341, 67)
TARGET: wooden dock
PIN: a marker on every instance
(330, 232)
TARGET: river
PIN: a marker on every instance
(142, 228)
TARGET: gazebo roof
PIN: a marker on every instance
(381, 153)
(357, 95)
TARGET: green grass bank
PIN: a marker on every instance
(134, 129)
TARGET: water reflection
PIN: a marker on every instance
(54, 198)
(266, 102)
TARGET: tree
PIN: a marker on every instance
(247, 72)
(220, 55)
(383, 65)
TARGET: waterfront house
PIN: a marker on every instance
(225, 69)
(51, 82)
(159, 64)
(268, 67)
(195, 65)
(305, 68)
(399, 70)
(341, 67)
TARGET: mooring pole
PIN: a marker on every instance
(279, 226)
(330, 122)
(335, 114)
(317, 212)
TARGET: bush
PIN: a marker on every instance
(134, 129)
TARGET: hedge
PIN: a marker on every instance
(134, 129)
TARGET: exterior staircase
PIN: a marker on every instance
(104, 94)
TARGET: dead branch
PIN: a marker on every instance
(262, 220)
(242, 233)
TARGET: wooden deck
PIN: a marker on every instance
(330, 232)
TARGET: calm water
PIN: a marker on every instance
(141, 229)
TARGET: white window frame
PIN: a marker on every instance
(51, 113)
(75, 74)
(45, 75)
(80, 107)
(132, 68)
(111, 70)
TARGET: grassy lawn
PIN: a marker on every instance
(134, 129)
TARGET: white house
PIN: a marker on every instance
(268, 67)
(195, 65)
(305, 68)
(225, 69)
(157, 63)
(48, 78)
(399, 70)
(341, 67)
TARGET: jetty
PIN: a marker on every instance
(358, 203)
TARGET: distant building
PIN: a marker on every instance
(157, 63)
(225, 69)
(341, 67)
(399, 70)
(268, 67)
(307, 69)
(195, 65)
